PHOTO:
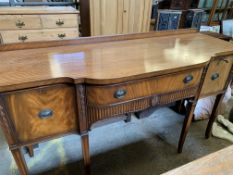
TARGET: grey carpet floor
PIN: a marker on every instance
(141, 147)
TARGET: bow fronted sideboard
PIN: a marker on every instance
(51, 89)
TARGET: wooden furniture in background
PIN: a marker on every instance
(26, 24)
(194, 18)
(218, 163)
(168, 19)
(178, 4)
(101, 78)
(108, 17)
(39, 3)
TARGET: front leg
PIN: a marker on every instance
(186, 125)
(86, 153)
(20, 161)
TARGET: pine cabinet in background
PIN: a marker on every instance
(108, 17)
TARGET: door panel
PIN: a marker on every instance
(106, 17)
(133, 16)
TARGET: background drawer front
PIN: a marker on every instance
(102, 95)
(60, 21)
(43, 111)
(17, 22)
(19, 36)
(217, 75)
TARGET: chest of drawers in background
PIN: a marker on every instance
(25, 24)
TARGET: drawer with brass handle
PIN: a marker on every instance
(62, 35)
(23, 38)
(20, 22)
(38, 35)
(217, 74)
(110, 94)
(59, 21)
(42, 112)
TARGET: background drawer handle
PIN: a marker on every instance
(61, 35)
(46, 113)
(188, 79)
(20, 24)
(215, 76)
(60, 22)
(120, 93)
(23, 38)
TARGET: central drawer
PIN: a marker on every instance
(110, 94)
(42, 112)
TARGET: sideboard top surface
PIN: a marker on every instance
(107, 62)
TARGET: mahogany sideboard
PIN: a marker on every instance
(50, 89)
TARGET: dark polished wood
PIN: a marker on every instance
(85, 17)
(69, 86)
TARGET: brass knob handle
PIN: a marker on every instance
(215, 76)
(120, 93)
(61, 35)
(45, 113)
(188, 79)
(60, 22)
(19, 24)
(23, 38)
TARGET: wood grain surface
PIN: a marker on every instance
(102, 95)
(36, 10)
(222, 67)
(218, 163)
(25, 106)
(107, 62)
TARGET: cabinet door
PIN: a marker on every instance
(106, 17)
(136, 17)
(174, 21)
(163, 21)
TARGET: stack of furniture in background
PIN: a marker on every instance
(168, 19)
(41, 23)
(181, 14)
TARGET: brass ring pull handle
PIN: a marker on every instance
(23, 38)
(188, 79)
(215, 76)
(120, 93)
(61, 35)
(60, 22)
(46, 113)
(19, 24)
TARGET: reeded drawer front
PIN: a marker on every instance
(59, 21)
(20, 22)
(38, 35)
(103, 95)
(42, 112)
(217, 75)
